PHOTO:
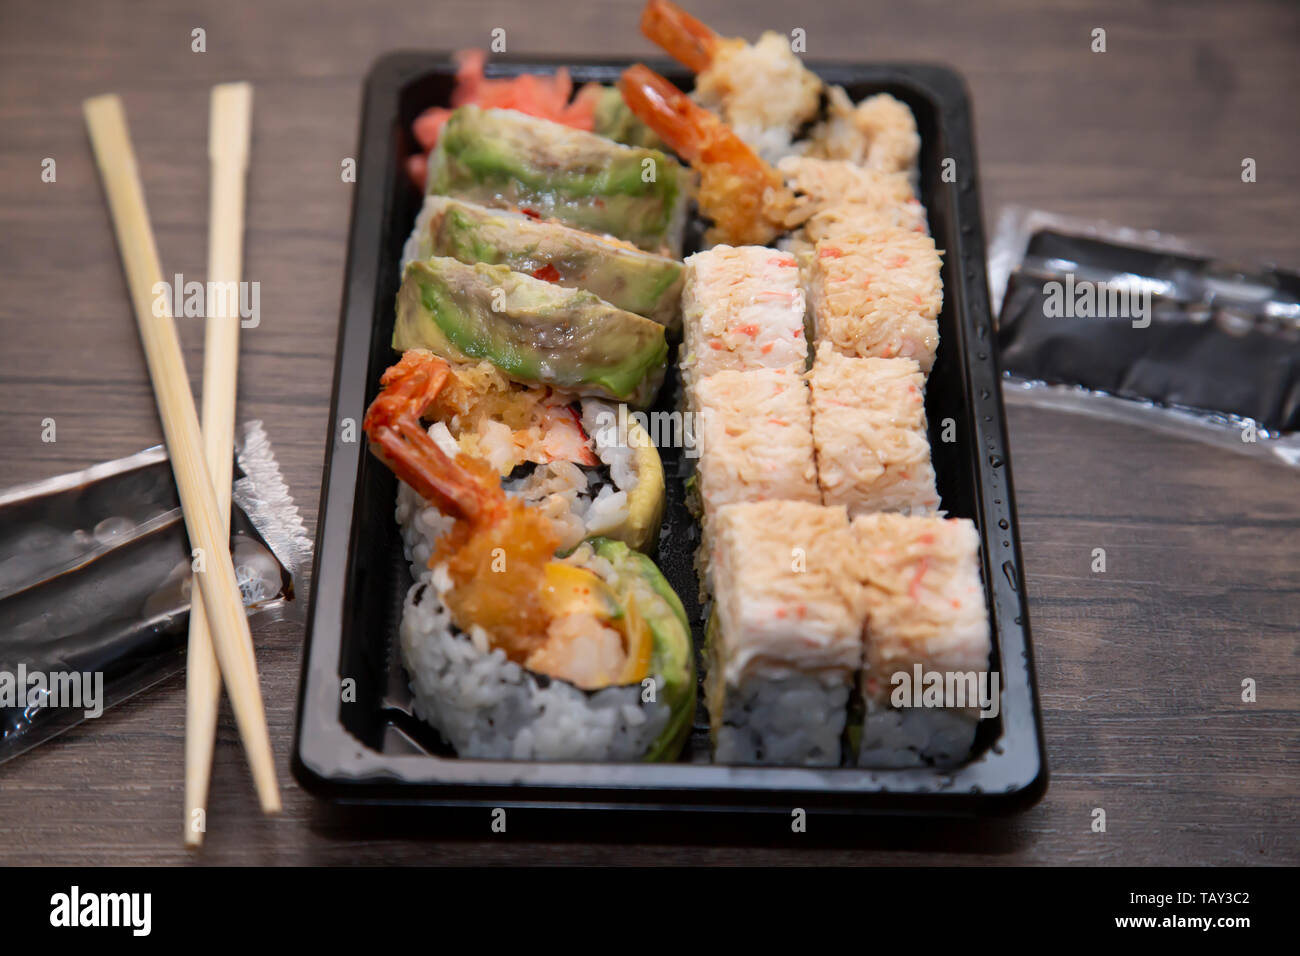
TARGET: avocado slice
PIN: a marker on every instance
(504, 158)
(534, 331)
(673, 658)
(646, 497)
(618, 272)
(645, 504)
(616, 121)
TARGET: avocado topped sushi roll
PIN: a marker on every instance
(616, 271)
(504, 158)
(533, 330)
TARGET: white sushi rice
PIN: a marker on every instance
(791, 721)
(762, 91)
(915, 737)
(489, 707)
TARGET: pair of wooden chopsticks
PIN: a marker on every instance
(219, 634)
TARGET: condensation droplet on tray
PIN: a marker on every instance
(111, 528)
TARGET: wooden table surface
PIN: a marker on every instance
(1139, 668)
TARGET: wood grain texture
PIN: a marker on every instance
(1139, 668)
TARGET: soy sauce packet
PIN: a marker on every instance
(1143, 327)
(96, 575)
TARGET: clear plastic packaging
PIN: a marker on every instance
(1145, 328)
(95, 580)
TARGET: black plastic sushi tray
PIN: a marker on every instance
(366, 745)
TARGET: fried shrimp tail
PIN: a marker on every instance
(397, 438)
(738, 190)
(684, 38)
(490, 531)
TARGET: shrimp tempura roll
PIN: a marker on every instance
(783, 641)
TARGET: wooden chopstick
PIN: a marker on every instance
(230, 118)
(106, 122)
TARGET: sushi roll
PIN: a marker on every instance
(877, 294)
(826, 183)
(611, 679)
(837, 199)
(613, 120)
(762, 91)
(755, 434)
(775, 104)
(925, 615)
(755, 439)
(534, 331)
(878, 133)
(515, 647)
(869, 433)
(504, 158)
(558, 457)
(742, 308)
(847, 219)
(783, 642)
(616, 271)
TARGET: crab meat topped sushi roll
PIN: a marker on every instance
(877, 294)
(755, 440)
(616, 271)
(849, 219)
(836, 198)
(504, 158)
(824, 183)
(869, 432)
(755, 436)
(742, 309)
(783, 643)
(926, 624)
